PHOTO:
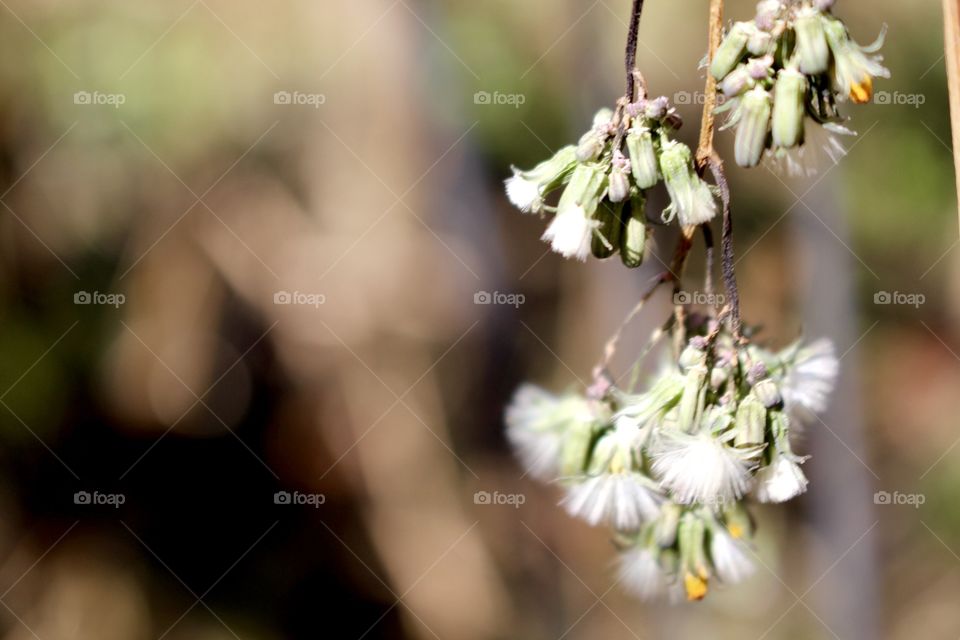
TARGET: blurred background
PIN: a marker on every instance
(248, 385)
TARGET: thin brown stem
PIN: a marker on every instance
(951, 23)
(630, 60)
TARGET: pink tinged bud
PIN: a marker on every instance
(767, 13)
(643, 158)
(788, 108)
(759, 68)
(590, 146)
(737, 82)
(760, 43)
(812, 49)
(657, 108)
(619, 185)
(752, 129)
(731, 49)
(824, 5)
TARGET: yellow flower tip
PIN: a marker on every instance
(735, 530)
(695, 586)
(861, 93)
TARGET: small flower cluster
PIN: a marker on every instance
(793, 60)
(602, 209)
(669, 468)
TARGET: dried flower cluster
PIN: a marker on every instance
(603, 205)
(672, 468)
(669, 468)
(793, 61)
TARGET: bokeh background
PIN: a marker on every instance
(241, 248)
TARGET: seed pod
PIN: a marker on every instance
(751, 422)
(788, 108)
(731, 50)
(751, 137)
(812, 49)
(633, 237)
(606, 238)
(643, 157)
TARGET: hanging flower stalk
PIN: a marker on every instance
(672, 467)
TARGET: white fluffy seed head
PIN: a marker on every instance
(641, 575)
(524, 194)
(810, 380)
(700, 469)
(779, 481)
(623, 500)
(570, 233)
(730, 557)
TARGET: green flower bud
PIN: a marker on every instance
(643, 157)
(693, 558)
(751, 140)
(731, 50)
(761, 43)
(606, 239)
(633, 237)
(590, 146)
(665, 528)
(768, 393)
(738, 521)
(788, 108)
(692, 399)
(812, 49)
(751, 422)
(853, 69)
(575, 451)
(603, 117)
(584, 189)
(691, 199)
